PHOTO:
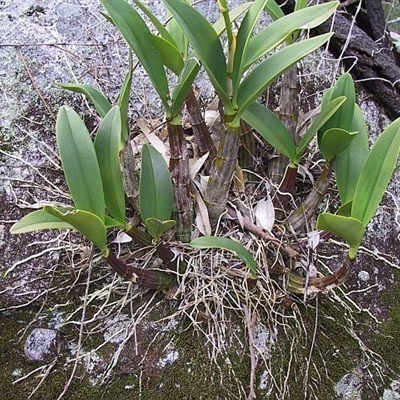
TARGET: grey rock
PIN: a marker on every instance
(364, 276)
(349, 387)
(41, 345)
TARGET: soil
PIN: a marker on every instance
(117, 341)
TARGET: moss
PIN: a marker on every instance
(334, 352)
(10, 325)
(387, 342)
(34, 10)
(194, 376)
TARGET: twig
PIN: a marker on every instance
(253, 228)
(45, 44)
(28, 71)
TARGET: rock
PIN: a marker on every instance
(42, 345)
(393, 393)
(364, 276)
(349, 387)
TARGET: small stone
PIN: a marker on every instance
(349, 387)
(364, 276)
(42, 345)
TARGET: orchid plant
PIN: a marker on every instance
(239, 72)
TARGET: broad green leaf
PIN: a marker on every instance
(326, 113)
(300, 4)
(156, 22)
(348, 228)
(112, 223)
(270, 69)
(345, 209)
(275, 33)
(79, 162)
(155, 187)
(184, 84)
(37, 221)
(123, 102)
(139, 38)
(170, 55)
(205, 42)
(376, 173)
(350, 162)
(106, 146)
(157, 227)
(334, 141)
(271, 128)
(192, 66)
(87, 223)
(243, 38)
(208, 242)
(343, 117)
(234, 14)
(178, 36)
(274, 10)
(98, 99)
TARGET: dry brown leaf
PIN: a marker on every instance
(202, 219)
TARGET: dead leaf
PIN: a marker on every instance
(196, 166)
(122, 237)
(202, 219)
(153, 139)
(265, 213)
(313, 239)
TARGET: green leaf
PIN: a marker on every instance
(350, 162)
(274, 10)
(208, 242)
(275, 33)
(271, 128)
(334, 141)
(157, 227)
(243, 38)
(205, 42)
(300, 4)
(155, 187)
(79, 162)
(376, 173)
(345, 209)
(348, 228)
(112, 223)
(170, 55)
(269, 70)
(36, 221)
(343, 117)
(325, 114)
(192, 66)
(106, 146)
(87, 223)
(184, 84)
(123, 102)
(156, 22)
(178, 37)
(98, 99)
(139, 38)
(234, 14)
